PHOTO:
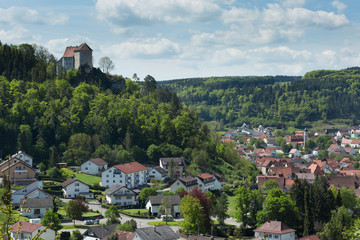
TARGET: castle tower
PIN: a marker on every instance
(306, 136)
(83, 57)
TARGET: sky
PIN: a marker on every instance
(172, 39)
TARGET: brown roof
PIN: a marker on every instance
(25, 227)
(311, 237)
(205, 175)
(274, 227)
(340, 181)
(187, 179)
(70, 181)
(69, 51)
(124, 235)
(131, 167)
(98, 161)
(262, 179)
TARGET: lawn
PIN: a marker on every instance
(78, 226)
(231, 210)
(135, 211)
(171, 223)
(88, 214)
(88, 179)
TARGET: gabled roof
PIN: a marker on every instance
(160, 170)
(38, 203)
(70, 181)
(116, 187)
(17, 162)
(156, 200)
(124, 235)
(274, 227)
(158, 233)
(188, 180)
(69, 51)
(98, 161)
(178, 160)
(25, 227)
(100, 231)
(131, 167)
(205, 176)
(38, 189)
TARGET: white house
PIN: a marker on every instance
(153, 203)
(94, 166)
(23, 157)
(132, 175)
(274, 230)
(294, 153)
(188, 183)
(174, 164)
(119, 194)
(35, 208)
(30, 230)
(73, 187)
(158, 173)
(208, 182)
(20, 194)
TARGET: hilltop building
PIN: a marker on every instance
(74, 58)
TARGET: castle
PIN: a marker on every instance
(74, 58)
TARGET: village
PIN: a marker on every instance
(33, 192)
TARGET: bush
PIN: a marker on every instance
(104, 205)
(82, 198)
(96, 186)
(65, 235)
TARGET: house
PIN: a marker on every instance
(99, 232)
(294, 153)
(124, 235)
(25, 230)
(94, 166)
(157, 232)
(73, 187)
(158, 173)
(153, 203)
(23, 157)
(119, 194)
(272, 230)
(75, 57)
(332, 132)
(19, 172)
(21, 193)
(175, 165)
(132, 175)
(35, 208)
(188, 183)
(208, 182)
(309, 177)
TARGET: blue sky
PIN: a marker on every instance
(171, 39)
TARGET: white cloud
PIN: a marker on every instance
(18, 35)
(338, 5)
(23, 15)
(143, 48)
(125, 13)
(272, 24)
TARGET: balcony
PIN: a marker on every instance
(20, 171)
(137, 176)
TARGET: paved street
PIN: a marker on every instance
(141, 222)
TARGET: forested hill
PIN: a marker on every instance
(76, 116)
(319, 95)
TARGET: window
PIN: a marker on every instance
(120, 181)
(128, 197)
(277, 236)
(113, 181)
(76, 190)
(36, 211)
(107, 181)
(77, 184)
(107, 175)
(86, 168)
(109, 170)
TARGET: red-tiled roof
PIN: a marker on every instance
(25, 227)
(123, 235)
(274, 227)
(311, 237)
(69, 52)
(131, 167)
(98, 161)
(205, 175)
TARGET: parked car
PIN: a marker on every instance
(89, 222)
(166, 218)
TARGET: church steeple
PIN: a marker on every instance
(306, 136)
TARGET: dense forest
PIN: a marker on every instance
(319, 95)
(75, 116)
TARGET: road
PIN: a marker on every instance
(141, 222)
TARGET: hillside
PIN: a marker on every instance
(319, 95)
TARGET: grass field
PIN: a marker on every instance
(88, 179)
(78, 226)
(89, 214)
(134, 211)
(231, 210)
(159, 223)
